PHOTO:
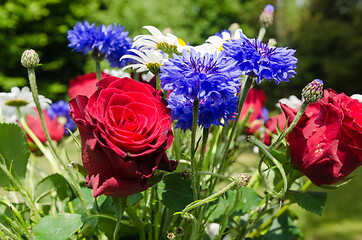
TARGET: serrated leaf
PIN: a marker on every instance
(310, 201)
(57, 227)
(54, 182)
(14, 149)
(175, 192)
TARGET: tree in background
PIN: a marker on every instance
(326, 34)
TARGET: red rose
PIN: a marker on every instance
(56, 130)
(255, 100)
(326, 144)
(125, 129)
(84, 85)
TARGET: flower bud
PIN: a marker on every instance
(171, 236)
(30, 59)
(242, 180)
(313, 92)
(266, 17)
(179, 232)
(97, 55)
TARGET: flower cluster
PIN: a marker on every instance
(210, 78)
(110, 42)
(258, 59)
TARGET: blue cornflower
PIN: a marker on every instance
(60, 110)
(211, 78)
(210, 111)
(203, 76)
(258, 59)
(83, 37)
(110, 41)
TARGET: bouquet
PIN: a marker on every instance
(156, 149)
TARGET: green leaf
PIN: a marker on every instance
(50, 183)
(249, 200)
(310, 201)
(135, 198)
(282, 228)
(57, 227)
(175, 192)
(14, 149)
(88, 197)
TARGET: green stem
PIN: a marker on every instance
(292, 125)
(98, 70)
(16, 181)
(17, 215)
(8, 232)
(265, 151)
(34, 90)
(261, 34)
(136, 221)
(210, 198)
(214, 174)
(278, 214)
(120, 205)
(224, 221)
(194, 183)
(244, 93)
(39, 144)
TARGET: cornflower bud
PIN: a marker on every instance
(242, 180)
(171, 236)
(266, 17)
(30, 59)
(313, 92)
(179, 232)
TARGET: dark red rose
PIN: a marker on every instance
(326, 144)
(125, 129)
(83, 85)
(255, 100)
(56, 129)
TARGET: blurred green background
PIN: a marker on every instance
(327, 35)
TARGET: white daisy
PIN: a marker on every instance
(21, 98)
(217, 41)
(168, 43)
(149, 61)
(292, 102)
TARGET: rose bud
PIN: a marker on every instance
(125, 129)
(326, 143)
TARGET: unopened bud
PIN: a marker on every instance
(171, 236)
(266, 17)
(242, 180)
(179, 232)
(186, 174)
(313, 92)
(97, 55)
(30, 59)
